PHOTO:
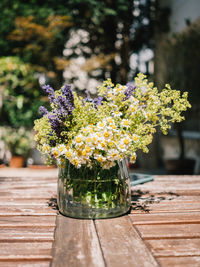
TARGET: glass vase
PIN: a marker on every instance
(94, 193)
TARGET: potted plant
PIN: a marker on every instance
(91, 139)
(182, 164)
(182, 74)
(18, 141)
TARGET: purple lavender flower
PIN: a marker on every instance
(67, 92)
(129, 91)
(56, 124)
(98, 101)
(64, 105)
(43, 110)
(49, 90)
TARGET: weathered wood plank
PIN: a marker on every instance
(31, 193)
(26, 251)
(179, 261)
(29, 263)
(25, 201)
(171, 186)
(22, 234)
(174, 247)
(27, 221)
(26, 210)
(164, 197)
(186, 231)
(158, 189)
(27, 179)
(122, 245)
(76, 244)
(168, 207)
(25, 172)
(27, 186)
(43, 199)
(165, 218)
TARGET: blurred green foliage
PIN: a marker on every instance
(19, 92)
(182, 60)
(113, 28)
(18, 141)
(10, 9)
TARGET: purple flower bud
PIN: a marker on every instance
(129, 91)
(43, 110)
(98, 101)
(49, 90)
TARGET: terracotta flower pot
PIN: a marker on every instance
(16, 162)
(41, 167)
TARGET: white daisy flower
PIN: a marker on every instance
(116, 113)
(126, 141)
(46, 148)
(75, 161)
(121, 147)
(135, 138)
(113, 155)
(69, 154)
(107, 135)
(133, 158)
(62, 149)
(78, 140)
(133, 109)
(108, 164)
(99, 158)
(101, 125)
(125, 123)
(55, 152)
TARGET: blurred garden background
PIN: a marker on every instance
(84, 42)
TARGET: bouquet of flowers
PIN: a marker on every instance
(90, 138)
(111, 127)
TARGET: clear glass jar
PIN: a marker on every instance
(94, 193)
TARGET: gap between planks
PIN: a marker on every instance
(76, 243)
(105, 242)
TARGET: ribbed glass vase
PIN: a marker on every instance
(94, 193)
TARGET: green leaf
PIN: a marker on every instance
(110, 12)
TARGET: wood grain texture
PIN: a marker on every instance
(27, 221)
(25, 263)
(179, 261)
(22, 210)
(25, 172)
(162, 229)
(76, 244)
(30, 234)
(174, 247)
(170, 207)
(122, 245)
(166, 213)
(169, 231)
(166, 218)
(25, 251)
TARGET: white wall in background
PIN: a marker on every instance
(181, 10)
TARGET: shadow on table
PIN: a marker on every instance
(52, 202)
(141, 200)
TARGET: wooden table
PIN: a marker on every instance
(163, 228)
